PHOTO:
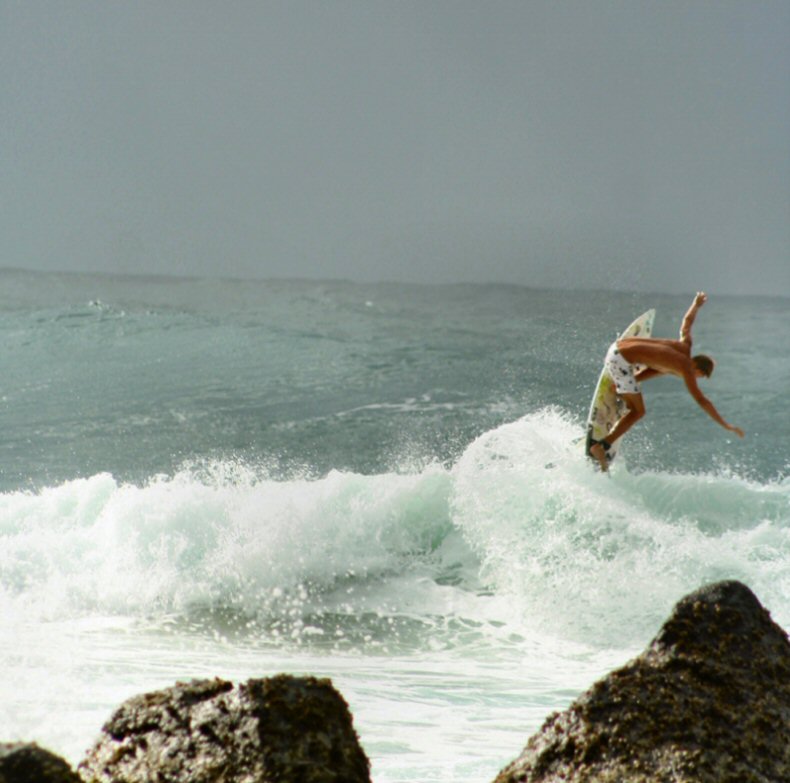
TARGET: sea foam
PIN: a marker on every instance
(521, 530)
(604, 557)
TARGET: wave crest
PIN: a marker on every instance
(604, 557)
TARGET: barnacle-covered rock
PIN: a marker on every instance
(708, 702)
(26, 762)
(279, 729)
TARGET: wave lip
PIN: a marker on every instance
(603, 558)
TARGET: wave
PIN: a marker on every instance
(223, 537)
(604, 557)
(519, 532)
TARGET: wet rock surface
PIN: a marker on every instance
(28, 763)
(276, 729)
(709, 700)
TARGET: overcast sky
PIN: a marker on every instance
(587, 143)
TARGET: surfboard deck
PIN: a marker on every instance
(606, 407)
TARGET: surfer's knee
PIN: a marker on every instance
(636, 405)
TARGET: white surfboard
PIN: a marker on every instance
(606, 407)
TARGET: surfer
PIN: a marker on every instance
(656, 357)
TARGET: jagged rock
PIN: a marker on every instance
(281, 729)
(28, 763)
(707, 702)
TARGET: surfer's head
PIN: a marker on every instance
(704, 364)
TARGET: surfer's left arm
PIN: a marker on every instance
(707, 405)
(646, 373)
(691, 314)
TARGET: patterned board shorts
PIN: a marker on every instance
(622, 371)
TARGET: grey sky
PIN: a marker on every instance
(589, 143)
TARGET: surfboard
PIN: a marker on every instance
(606, 407)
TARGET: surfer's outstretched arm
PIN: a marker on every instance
(691, 314)
(708, 406)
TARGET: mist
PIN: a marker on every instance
(580, 144)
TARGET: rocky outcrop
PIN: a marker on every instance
(28, 763)
(280, 729)
(708, 702)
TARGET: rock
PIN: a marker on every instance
(279, 729)
(708, 701)
(28, 763)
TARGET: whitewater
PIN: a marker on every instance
(382, 484)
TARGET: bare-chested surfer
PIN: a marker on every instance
(658, 357)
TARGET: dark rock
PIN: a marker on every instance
(280, 729)
(28, 763)
(708, 702)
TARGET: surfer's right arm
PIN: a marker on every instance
(691, 314)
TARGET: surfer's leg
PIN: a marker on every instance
(598, 452)
(636, 409)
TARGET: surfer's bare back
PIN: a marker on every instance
(658, 357)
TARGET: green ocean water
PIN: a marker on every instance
(377, 483)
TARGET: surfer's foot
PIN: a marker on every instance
(598, 451)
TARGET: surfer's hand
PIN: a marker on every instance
(700, 299)
(737, 430)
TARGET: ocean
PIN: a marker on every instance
(377, 483)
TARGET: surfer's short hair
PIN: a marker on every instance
(704, 364)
